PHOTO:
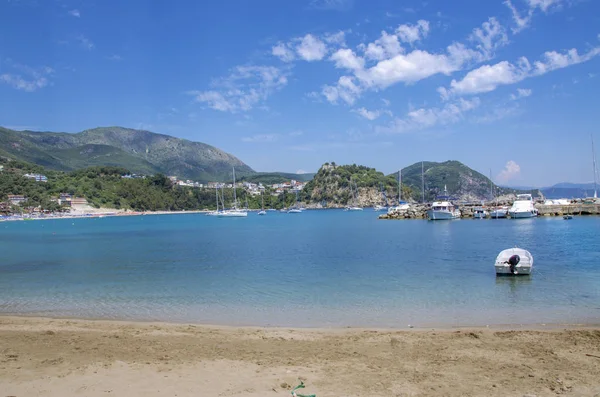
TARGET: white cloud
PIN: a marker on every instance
(386, 102)
(345, 89)
(261, 138)
(490, 36)
(411, 33)
(368, 114)
(75, 13)
(311, 48)
(408, 68)
(283, 52)
(488, 77)
(243, 89)
(511, 171)
(521, 93)
(385, 47)
(423, 118)
(26, 78)
(523, 19)
(85, 42)
(347, 59)
(338, 38)
(300, 172)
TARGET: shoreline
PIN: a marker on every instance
(51, 357)
(334, 329)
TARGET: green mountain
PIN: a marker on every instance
(461, 181)
(339, 185)
(270, 178)
(139, 151)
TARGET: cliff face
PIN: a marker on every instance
(338, 186)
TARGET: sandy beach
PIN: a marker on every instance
(48, 357)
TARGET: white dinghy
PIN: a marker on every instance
(514, 262)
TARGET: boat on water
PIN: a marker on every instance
(443, 209)
(233, 212)
(294, 211)
(523, 207)
(262, 205)
(480, 213)
(567, 217)
(383, 207)
(514, 262)
(499, 212)
(354, 192)
(216, 212)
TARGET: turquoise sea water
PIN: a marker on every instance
(318, 268)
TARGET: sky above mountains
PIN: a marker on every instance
(508, 86)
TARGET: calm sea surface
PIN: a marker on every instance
(318, 268)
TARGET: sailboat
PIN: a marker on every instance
(296, 208)
(382, 207)
(595, 170)
(355, 206)
(234, 212)
(402, 205)
(217, 212)
(262, 205)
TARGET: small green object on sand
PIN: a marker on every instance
(301, 386)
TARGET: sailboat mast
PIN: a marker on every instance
(399, 186)
(234, 196)
(595, 170)
(491, 185)
(423, 180)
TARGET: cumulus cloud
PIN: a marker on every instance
(422, 118)
(368, 114)
(412, 33)
(347, 59)
(283, 52)
(384, 47)
(490, 36)
(345, 89)
(311, 48)
(26, 78)
(487, 78)
(511, 171)
(243, 89)
(521, 93)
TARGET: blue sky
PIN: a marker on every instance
(510, 86)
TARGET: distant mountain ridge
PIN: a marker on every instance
(462, 182)
(139, 151)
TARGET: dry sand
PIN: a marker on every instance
(45, 357)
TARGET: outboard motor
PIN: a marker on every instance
(513, 261)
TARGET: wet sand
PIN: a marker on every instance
(47, 357)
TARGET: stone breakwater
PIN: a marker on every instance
(419, 211)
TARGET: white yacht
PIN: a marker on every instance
(480, 213)
(234, 212)
(443, 209)
(523, 207)
(514, 262)
(500, 212)
(402, 206)
(380, 208)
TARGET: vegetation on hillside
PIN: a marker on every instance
(334, 185)
(141, 152)
(461, 181)
(271, 178)
(105, 187)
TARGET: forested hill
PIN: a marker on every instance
(139, 151)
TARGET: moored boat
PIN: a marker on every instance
(500, 212)
(480, 213)
(523, 207)
(514, 262)
(443, 209)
